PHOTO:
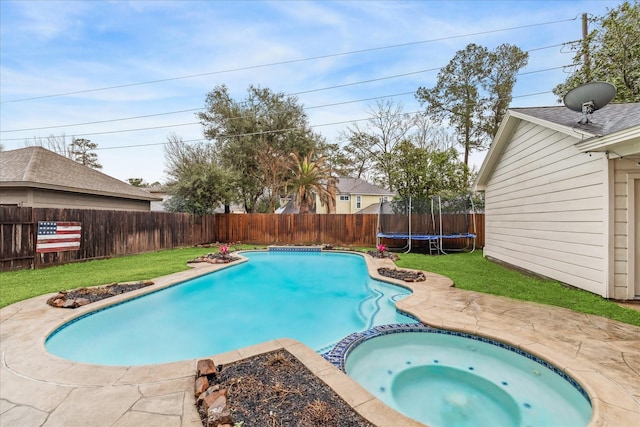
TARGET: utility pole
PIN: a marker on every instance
(585, 47)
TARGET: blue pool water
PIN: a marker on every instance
(449, 379)
(317, 298)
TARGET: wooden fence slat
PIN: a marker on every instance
(114, 233)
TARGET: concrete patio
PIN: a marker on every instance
(38, 389)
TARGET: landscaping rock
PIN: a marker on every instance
(213, 399)
(406, 275)
(216, 258)
(202, 384)
(83, 296)
(206, 367)
(383, 254)
(82, 301)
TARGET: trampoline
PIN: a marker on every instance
(430, 227)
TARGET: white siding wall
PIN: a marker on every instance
(546, 209)
(623, 289)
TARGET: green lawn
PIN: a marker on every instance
(468, 271)
(471, 271)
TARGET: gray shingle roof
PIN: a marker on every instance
(610, 119)
(359, 186)
(41, 168)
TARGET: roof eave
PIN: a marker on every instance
(506, 129)
(568, 130)
(623, 143)
(496, 148)
(356, 193)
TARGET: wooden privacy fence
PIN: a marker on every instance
(104, 234)
(338, 229)
(335, 229)
(112, 233)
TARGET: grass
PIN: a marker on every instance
(23, 284)
(473, 272)
(470, 271)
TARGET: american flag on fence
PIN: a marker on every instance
(54, 236)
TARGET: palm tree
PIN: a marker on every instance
(308, 179)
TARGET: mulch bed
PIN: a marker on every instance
(276, 389)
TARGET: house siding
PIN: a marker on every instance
(546, 208)
(366, 201)
(349, 206)
(624, 172)
(64, 200)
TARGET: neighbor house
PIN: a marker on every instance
(355, 194)
(39, 178)
(563, 198)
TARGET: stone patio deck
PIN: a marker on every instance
(38, 389)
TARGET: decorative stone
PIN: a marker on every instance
(218, 413)
(210, 400)
(202, 384)
(206, 367)
(82, 301)
(70, 303)
(406, 275)
(56, 302)
(83, 296)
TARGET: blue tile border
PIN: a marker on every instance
(294, 248)
(337, 356)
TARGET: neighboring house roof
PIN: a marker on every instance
(156, 189)
(360, 186)
(614, 129)
(37, 167)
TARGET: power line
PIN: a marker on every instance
(292, 61)
(231, 118)
(292, 94)
(275, 130)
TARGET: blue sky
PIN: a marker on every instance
(56, 58)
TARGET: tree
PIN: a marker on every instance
(81, 152)
(57, 144)
(371, 145)
(420, 173)
(309, 178)
(139, 182)
(337, 159)
(273, 166)
(473, 92)
(361, 153)
(613, 52)
(431, 137)
(504, 63)
(197, 181)
(243, 131)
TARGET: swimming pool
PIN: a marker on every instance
(317, 298)
(445, 378)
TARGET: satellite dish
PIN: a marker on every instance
(588, 98)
